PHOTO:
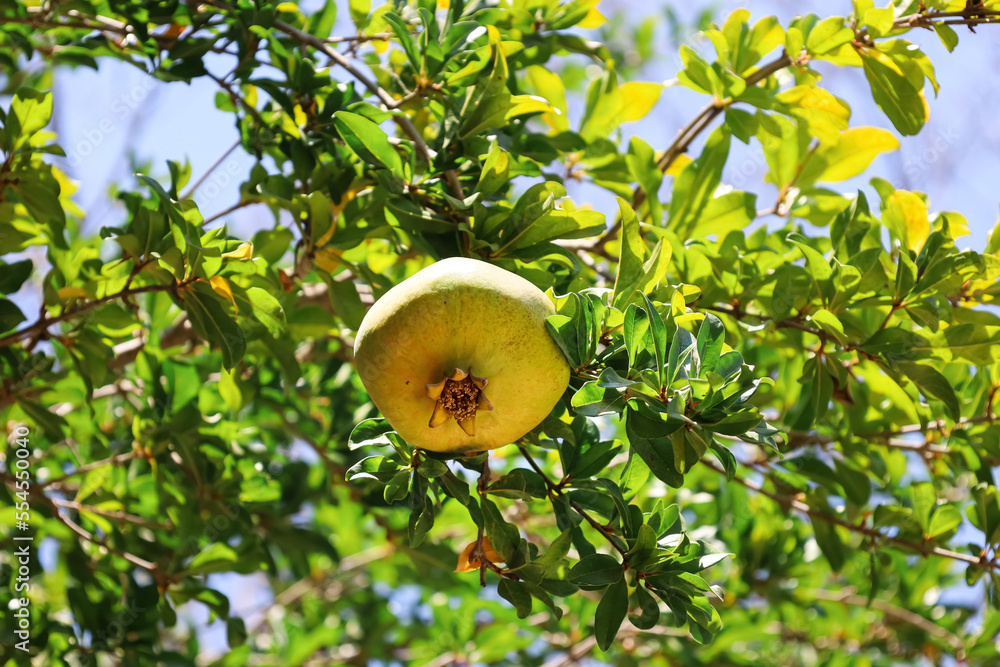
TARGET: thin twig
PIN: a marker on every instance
(787, 323)
(556, 491)
(215, 165)
(118, 515)
(799, 506)
(36, 492)
(84, 469)
(235, 207)
(404, 122)
(849, 597)
(46, 321)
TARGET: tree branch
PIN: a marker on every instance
(36, 492)
(45, 321)
(556, 491)
(687, 134)
(921, 548)
(215, 165)
(111, 460)
(849, 597)
(404, 122)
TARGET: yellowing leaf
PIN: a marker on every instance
(328, 259)
(300, 115)
(221, 287)
(856, 149)
(467, 563)
(879, 20)
(542, 82)
(906, 215)
(593, 19)
(678, 165)
(640, 98)
(522, 104)
(826, 115)
(244, 252)
(609, 105)
(66, 293)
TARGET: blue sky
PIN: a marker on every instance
(102, 116)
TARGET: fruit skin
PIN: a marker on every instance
(467, 314)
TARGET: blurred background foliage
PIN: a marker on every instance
(778, 443)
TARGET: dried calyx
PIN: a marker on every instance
(459, 395)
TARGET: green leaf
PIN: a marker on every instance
(698, 75)
(827, 35)
(944, 520)
(230, 391)
(609, 105)
(934, 384)
(259, 489)
(495, 171)
(368, 141)
(610, 613)
(33, 110)
(379, 468)
(724, 214)
(947, 35)
(711, 339)
(517, 594)
(10, 315)
(657, 452)
(218, 557)
(370, 432)
(596, 570)
(895, 95)
(830, 544)
(924, 501)
(592, 400)
(649, 610)
(697, 182)
(879, 21)
(819, 267)
(631, 256)
(211, 322)
(854, 151)
(12, 276)
(267, 309)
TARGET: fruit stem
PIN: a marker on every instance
(478, 551)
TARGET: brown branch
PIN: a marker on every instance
(922, 548)
(787, 323)
(215, 165)
(360, 39)
(39, 19)
(404, 122)
(849, 597)
(556, 491)
(938, 425)
(45, 321)
(35, 491)
(118, 515)
(235, 207)
(687, 134)
(797, 439)
(111, 460)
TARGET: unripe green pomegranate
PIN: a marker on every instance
(457, 357)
